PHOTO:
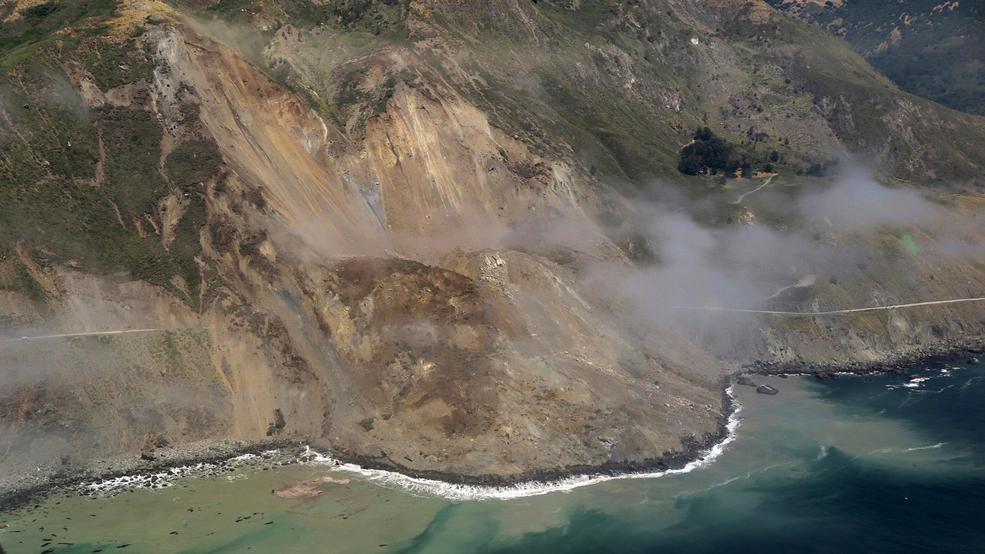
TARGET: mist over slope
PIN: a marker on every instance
(449, 236)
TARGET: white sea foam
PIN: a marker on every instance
(243, 458)
(823, 452)
(892, 450)
(915, 382)
(158, 479)
(928, 447)
(729, 481)
(416, 485)
(460, 492)
(167, 477)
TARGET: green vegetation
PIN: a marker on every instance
(711, 154)
(56, 203)
(19, 37)
(928, 47)
(565, 90)
(367, 424)
(379, 17)
(21, 280)
(864, 109)
(132, 139)
(187, 242)
(192, 162)
(47, 130)
(355, 97)
(114, 64)
(79, 223)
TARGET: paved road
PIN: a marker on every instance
(831, 312)
(85, 334)
(686, 308)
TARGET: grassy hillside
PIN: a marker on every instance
(82, 184)
(621, 87)
(615, 89)
(931, 48)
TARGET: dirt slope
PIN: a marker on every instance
(390, 231)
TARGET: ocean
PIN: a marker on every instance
(876, 463)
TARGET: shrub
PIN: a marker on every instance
(708, 153)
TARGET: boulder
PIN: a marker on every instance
(766, 389)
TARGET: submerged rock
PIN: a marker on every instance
(766, 389)
(307, 489)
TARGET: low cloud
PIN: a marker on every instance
(857, 202)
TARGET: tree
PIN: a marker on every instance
(708, 153)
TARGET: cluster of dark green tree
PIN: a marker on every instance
(709, 154)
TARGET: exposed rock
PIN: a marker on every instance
(308, 489)
(374, 256)
(767, 389)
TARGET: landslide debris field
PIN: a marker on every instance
(453, 238)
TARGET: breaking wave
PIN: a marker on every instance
(167, 477)
(462, 492)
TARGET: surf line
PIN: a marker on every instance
(462, 492)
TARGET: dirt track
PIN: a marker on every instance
(757, 189)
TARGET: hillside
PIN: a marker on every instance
(429, 234)
(932, 49)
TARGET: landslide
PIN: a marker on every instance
(300, 279)
(376, 225)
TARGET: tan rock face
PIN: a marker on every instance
(458, 377)
(385, 270)
(269, 139)
(356, 299)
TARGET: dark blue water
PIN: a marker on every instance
(837, 503)
(859, 464)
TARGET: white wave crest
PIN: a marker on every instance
(915, 382)
(928, 447)
(158, 479)
(461, 492)
(167, 477)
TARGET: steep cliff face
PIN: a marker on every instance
(396, 228)
(330, 300)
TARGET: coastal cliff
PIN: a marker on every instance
(425, 233)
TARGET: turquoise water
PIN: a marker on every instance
(858, 464)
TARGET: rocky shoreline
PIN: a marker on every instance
(202, 458)
(936, 354)
(218, 455)
(694, 449)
